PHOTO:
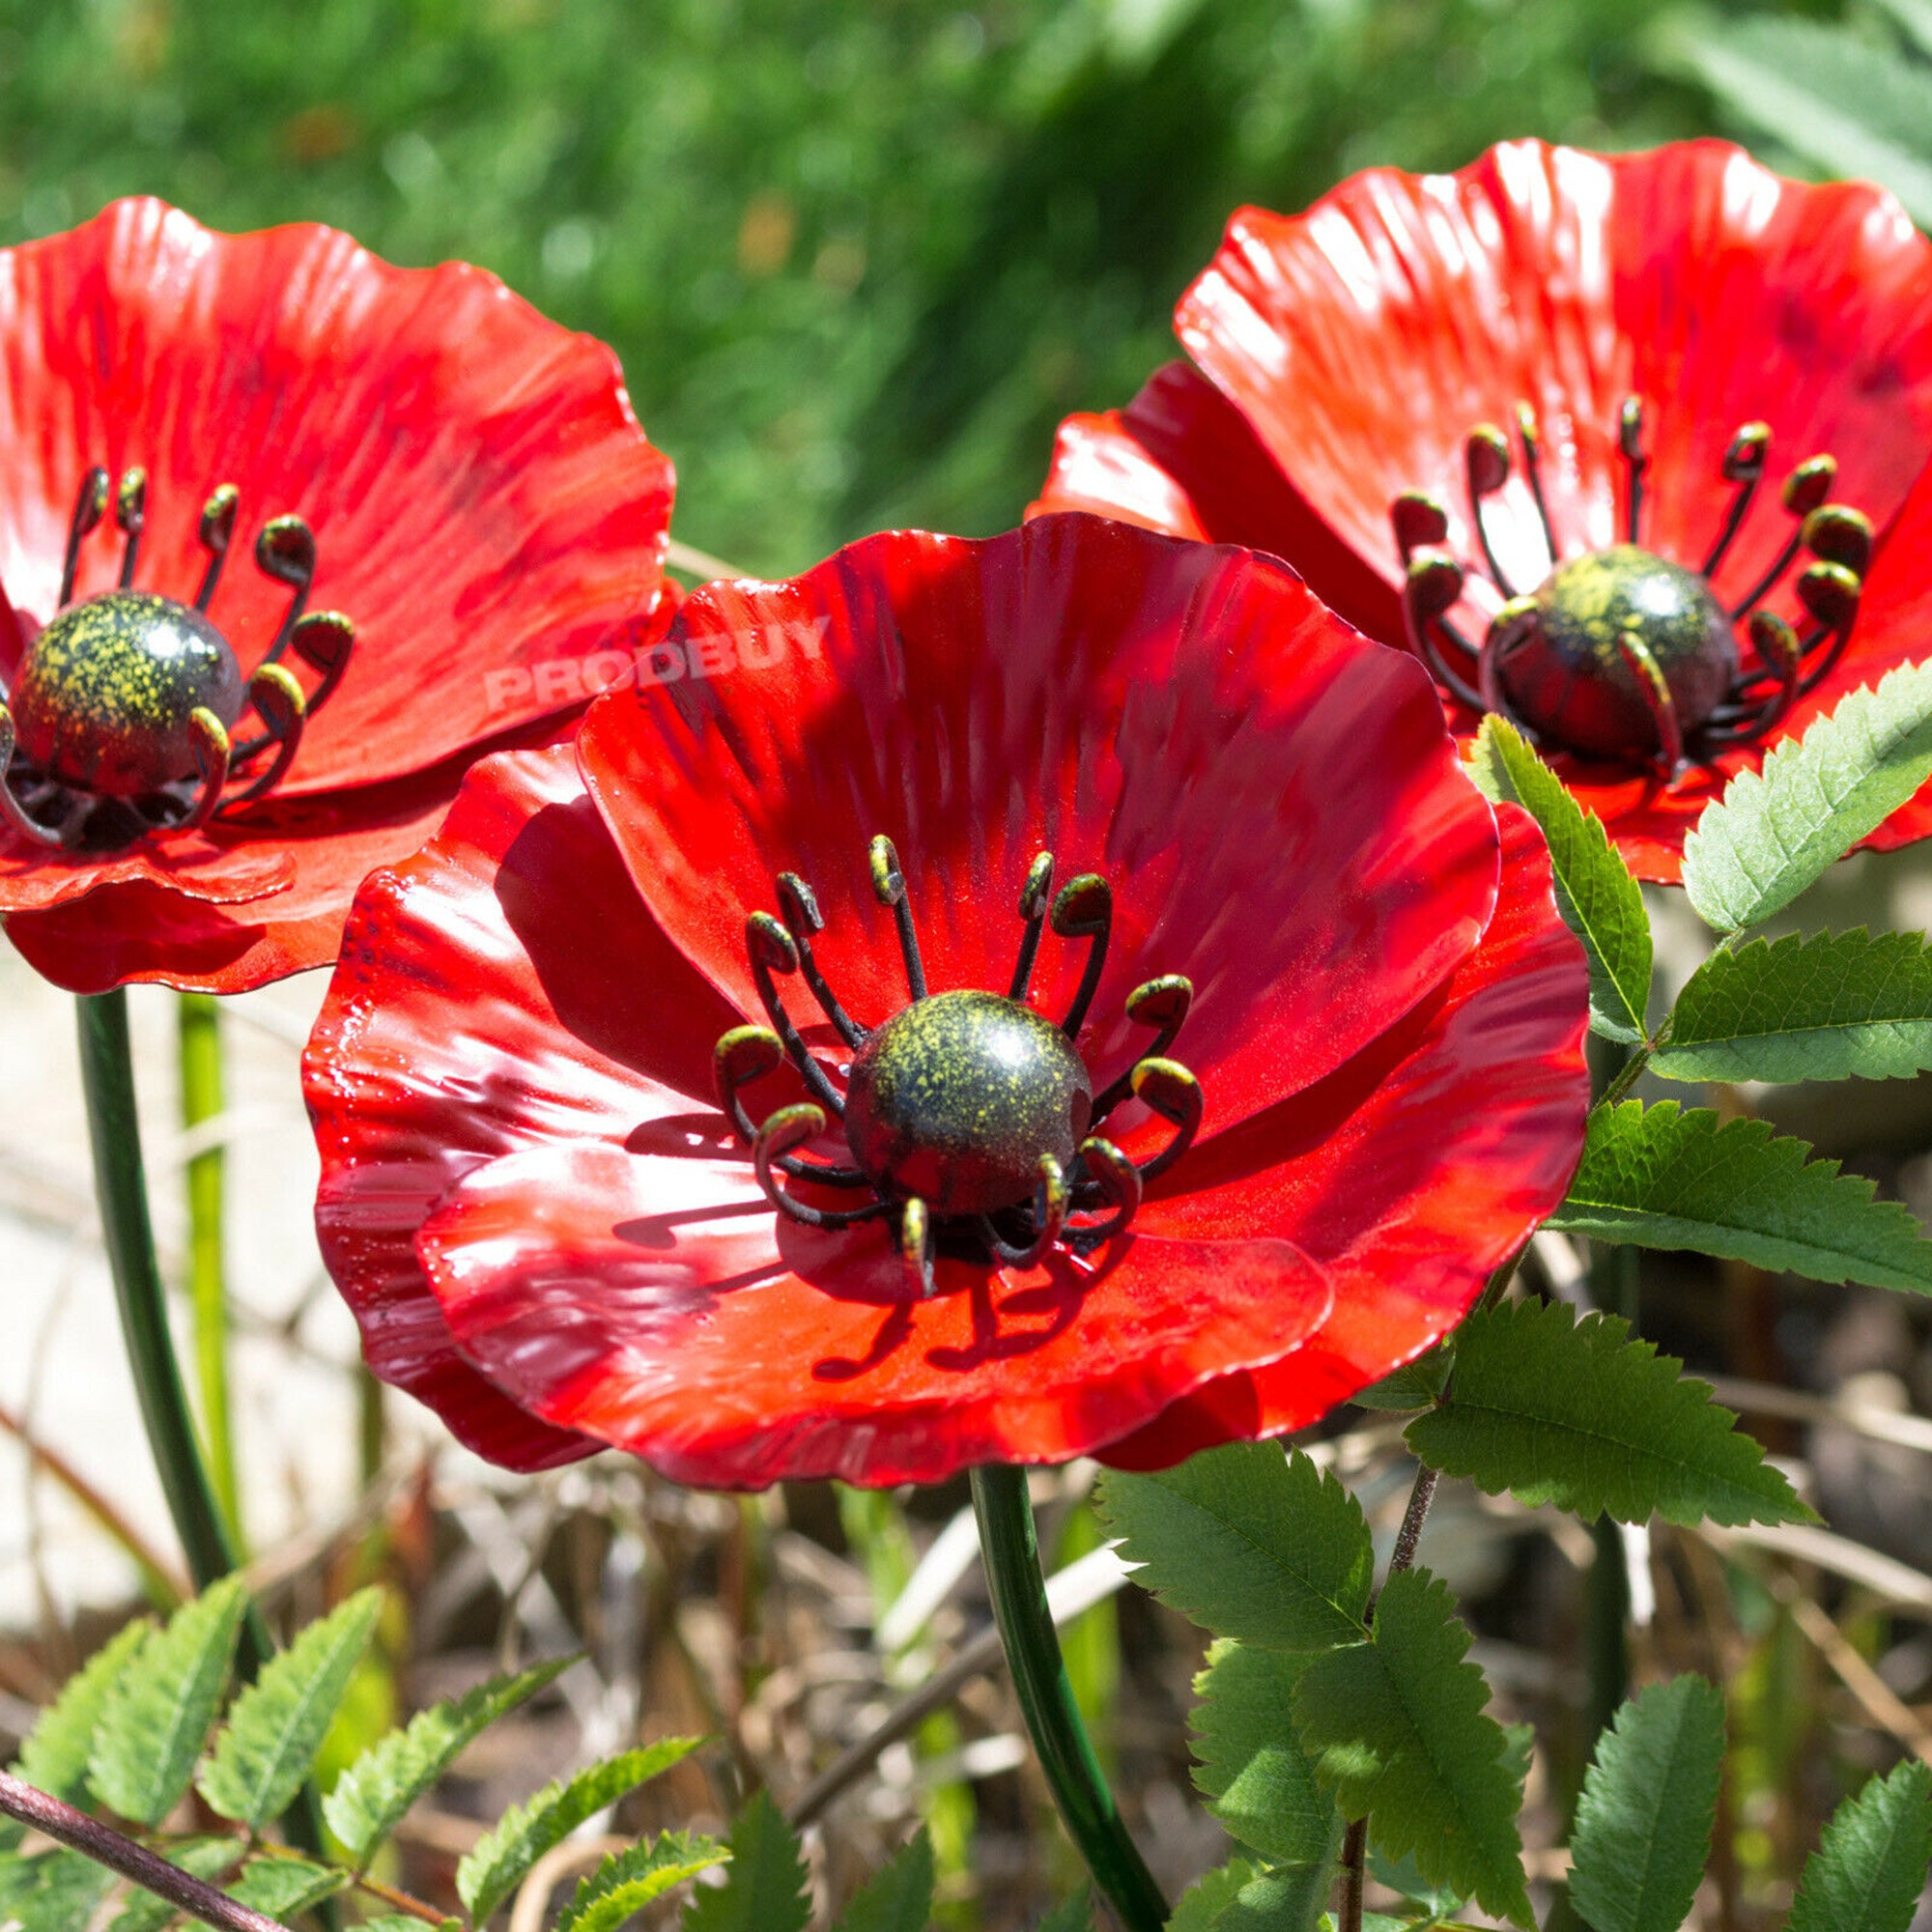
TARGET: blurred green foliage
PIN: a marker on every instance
(858, 258)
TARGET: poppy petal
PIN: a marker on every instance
(1274, 802)
(1410, 1175)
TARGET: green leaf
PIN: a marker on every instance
(765, 1890)
(1853, 109)
(1870, 1865)
(372, 1797)
(1661, 1177)
(278, 1723)
(628, 1881)
(1826, 1008)
(201, 1858)
(1252, 1767)
(1576, 1414)
(498, 1861)
(1644, 1823)
(55, 1754)
(1400, 1734)
(1415, 1385)
(51, 1891)
(156, 1717)
(284, 1887)
(1775, 830)
(898, 1899)
(1599, 901)
(1246, 1897)
(1405, 1876)
(1248, 1542)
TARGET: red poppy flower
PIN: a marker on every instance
(1518, 420)
(1365, 1084)
(198, 766)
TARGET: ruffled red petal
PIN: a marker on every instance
(1691, 275)
(1410, 1175)
(1273, 801)
(485, 506)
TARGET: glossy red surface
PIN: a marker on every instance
(485, 508)
(1691, 276)
(544, 1224)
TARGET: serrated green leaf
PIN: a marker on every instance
(628, 1881)
(372, 1797)
(1252, 1768)
(1070, 1915)
(497, 1862)
(1405, 1877)
(1644, 1823)
(1660, 1177)
(1775, 830)
(51, 1891)
(1248, 1542)
(282, 1886)
(1599, 901)
(1557, 1410)
(201, 1858)
(1415, 1385)
(1398, 1731)
(1870, 1865)
(277, 1724)
(765, 1890)
(1823, 1007)
(1242, 1897)
(1854, 109)
(157, 1716)
(54, 1755)
(898, 1897)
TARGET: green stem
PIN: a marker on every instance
(1011, 1556)
(202, 1099)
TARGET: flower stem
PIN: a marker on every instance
(107, 1846)
(1011, 1555)
(202, 1099)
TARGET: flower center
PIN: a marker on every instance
(1623, 654)
(970, 1114)
(121, 718)
(957, 1097)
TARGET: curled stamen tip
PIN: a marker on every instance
(798, 906)
(1486, 453)
(888, 881)
(276, 697)
(1526, 423)
(1118, 1179)
(1774, 641)
(1830, 592)
(130, 501)
(769, 945)
(285, 550)
(790, 1127)
(1511, 621)
(210, 738)
(1417, 519)
(1168, 1088)
(217, 519)
(1162, 1002)
(916, 1246)
(1743, 460)
(321, 639)
(1630, 428)
(1433, 584)
(91, 505)
(1038, 883)
(1840, 534)
(745, 1053)
(1082, 906)
(1809, 484)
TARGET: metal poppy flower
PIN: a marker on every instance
(1632, 448)
(449, 511)
(999, 1001)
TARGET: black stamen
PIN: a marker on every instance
(1032, 909)
(916, 1248)
(1532, 463)
(1162, 1003)
(218, 526)
(1743, 466)
(1486, 466)
(798, 907)
(889, 885)
(130, 512)
(1630, 444)
(1116, 1179)
(285, 550)
(1049, 1217)
(787, 1128)
(1175, 1095)
(90, 506)
(769, 946)
(1084, 909)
